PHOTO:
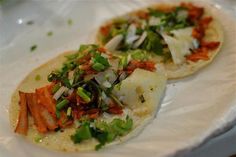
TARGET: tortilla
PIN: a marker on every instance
(152, 87)
(214, 32)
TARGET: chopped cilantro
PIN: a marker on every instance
(98, 66)
(33, 48)
(153, 43)
(55, 88)
(70, 22)
(103, 131)
(62, 104)
(99, 62)
(50, 33)
(82, 133)
(84, 94)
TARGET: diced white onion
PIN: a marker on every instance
(106, 84)
(131, 39)
(106, 78)
(182, 14)
(123, 75)
(71, 76)
(105, 98)
(70, 91)
(196, 43)
(114, 63)
(60, 91)
(153, 21)
(130, 33)
(114, 42)
(140, 40)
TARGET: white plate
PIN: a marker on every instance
(194, 109)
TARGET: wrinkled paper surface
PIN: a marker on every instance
(194, 109)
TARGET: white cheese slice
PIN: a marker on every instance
(179, 44)
(142, 91)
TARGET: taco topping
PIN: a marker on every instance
(175, 33)
(81, 92)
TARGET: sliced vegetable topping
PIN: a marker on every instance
(172, 33)
(84, 94)
(102, 131)
(22, 125)
(81, 90)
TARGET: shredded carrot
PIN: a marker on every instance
(63, 121)
(114, 108)
(78, 112)
(142, 14)
(105, 30)
(34, 111)
(199, 54)
(22, 125)
(134, 64)
(210, 45)
(93, 113)
(48, 119)
(204, 22)
(198, 33)
(102, 50)
(72, 97)
(45, 98)
(194, 12)
(84, 59)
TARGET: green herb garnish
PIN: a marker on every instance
(153, 43)
(30, 22)
(69, 112)
(100, 63)
(50, 33)
(103, 131)
(55, 88)
(69, 22)
(82, 133)
(83, 94)
(62, 104)
(33, 48)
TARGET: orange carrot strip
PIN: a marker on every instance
(210, 45)
(201, 55)
(48, 118)
(142, 14)
(22, 125)
(194, 12)
(134, 64)
(34, 110)
(63, 122)
(45, 98)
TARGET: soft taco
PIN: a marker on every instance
(83, 100)
(183, 37)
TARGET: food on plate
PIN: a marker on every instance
(183, 37)
(86, 99)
